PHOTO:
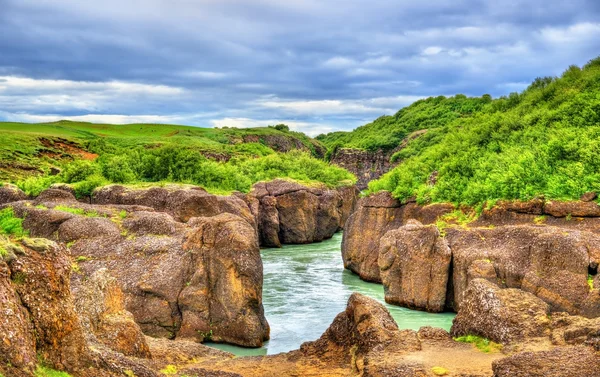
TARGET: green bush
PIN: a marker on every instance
(79, 170)
(10, 225)
(33, 186)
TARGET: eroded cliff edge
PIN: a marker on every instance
(547, 248)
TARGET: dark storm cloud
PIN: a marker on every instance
(318, 65)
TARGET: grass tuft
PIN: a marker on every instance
(483, 344)
(42, 371)
(10, 225)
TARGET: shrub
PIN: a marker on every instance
(10, 225)
(79, 170)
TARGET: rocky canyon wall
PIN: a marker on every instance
(549, 249)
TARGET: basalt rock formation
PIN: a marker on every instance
(200, 279)
(373, 218)
(365, 165)
(369, 165)
(422, 269)
(290, 213)
(414, 264)
(281, 212)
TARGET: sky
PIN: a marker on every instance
(316, 65)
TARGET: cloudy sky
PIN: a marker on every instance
(317, 65)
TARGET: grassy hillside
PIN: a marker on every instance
(543, 141)
(387, 132)
(88, 155)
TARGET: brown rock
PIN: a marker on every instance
(502, 315)
(155, 197)
(414, 263)
(87, 227)
(202, 281)
(232, 277)
(11, 193)
(297, 217)
(40, 222)
(570, 329)
(185, 204)
(550, 262)
(589, 196)
(361, 334)
(17, 343)
(157, 223)
(369, 223)
(559, 362)
(349, 200)
(268, 222)
(55, 195)
(99, 302)
(382, 199)
(41, 279)
(577, 209)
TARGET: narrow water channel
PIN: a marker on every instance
(306, 286)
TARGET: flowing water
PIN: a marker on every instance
(306, 286)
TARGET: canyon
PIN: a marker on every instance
(130, 281)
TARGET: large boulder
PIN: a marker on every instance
(203, 281)
(39, 319)
(291, 213)
(99, 302)
(11, 193)
(373, 218)
(414, 263)
(550, 262)
(560, 362)
(502, 315)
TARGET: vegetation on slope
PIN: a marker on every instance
(387, 132)
(544, 141)
(221, 160)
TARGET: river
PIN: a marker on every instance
(306, 286)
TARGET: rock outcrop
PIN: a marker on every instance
(365, 165)
(502, 315)
(550, 262)
(374, 217)
(11, 193)
(557, 264)
(290, 213)
(414, 264)
(201, 279)
(281, 212)
(559, 362)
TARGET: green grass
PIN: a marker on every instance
(77, 211)
(10, 225)
(42, 371)
(169, 370)
(93, 155)
(590, 281)
(457, 218)
(483, 344)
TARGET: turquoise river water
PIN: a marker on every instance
(306, 286)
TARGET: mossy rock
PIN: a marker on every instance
(40, 245)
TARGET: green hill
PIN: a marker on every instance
(221, 159)
(544, 141)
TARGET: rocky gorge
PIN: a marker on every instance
(128, 281)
